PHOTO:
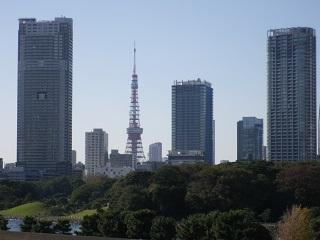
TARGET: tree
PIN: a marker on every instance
(226, 187)
(132, 198)
(315, 228)
(60, 186)
(89, 226)
(256, 231)
(196, 227)
(130, 192)
(62, 226)
(3, 223)
(302, 182)
(139, 223)
(168, 190)
(295, 224)
(28, 224)
(111, 223)
(163, 228)
(90, 194)
(239, 225)
(43, 226)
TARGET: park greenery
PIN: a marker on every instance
(227, 201)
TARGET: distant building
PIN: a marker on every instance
(224, 161)
(16, 174)
(192, 118)
(80, 166)
(78, 169)
(74, 158)
(185, 157)
(292, 97)
(1, 164)
(9, 166)
(118, 160)
(214, 141)
(250, 139)
(44, 129)
(96, 151)
(155, 152)
(264, 153)
(113, 172)
(150, 166)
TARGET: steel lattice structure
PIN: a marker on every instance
(134, 131)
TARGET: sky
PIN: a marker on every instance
(220, 41)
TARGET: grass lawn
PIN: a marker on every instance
(80, 215)
(38, 209)
(29, 209)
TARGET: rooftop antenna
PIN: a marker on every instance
(134, 57)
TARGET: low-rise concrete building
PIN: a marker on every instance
(186, 157)
(119, 160)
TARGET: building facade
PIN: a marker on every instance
(74, 158)
(44, 124)
(155, 152)
(292, 94)
(192, 118)
(119, 160)
(250, 139)
(186, 157)
(96, 152)
(1, 164)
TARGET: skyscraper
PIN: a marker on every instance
(134, 131)
(292, 94)
(74, 158)
(44, 131)
(1, 164)
(155, 152)
(192, 119)
(250, 139)
(96, 151)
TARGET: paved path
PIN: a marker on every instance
(5, 235)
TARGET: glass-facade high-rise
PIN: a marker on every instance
(44, 131)
(250, 139)
(291, 112)
(192, 118)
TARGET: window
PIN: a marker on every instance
(41, 96)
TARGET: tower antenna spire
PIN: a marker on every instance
(134, 57)
(134, 131)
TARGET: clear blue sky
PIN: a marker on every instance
(223, 42)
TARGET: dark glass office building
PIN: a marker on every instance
(44, 132)
(250, 139)
(192, 118)
(292, 94)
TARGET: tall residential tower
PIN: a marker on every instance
(292, 94)
(192, 120)
(96, 151)
(44, 132)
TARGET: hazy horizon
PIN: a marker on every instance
(223, 42)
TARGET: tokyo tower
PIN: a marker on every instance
(134, 131)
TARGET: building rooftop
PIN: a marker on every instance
(192, 82)
(34, 20)
(286, 31)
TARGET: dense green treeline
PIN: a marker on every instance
(178, 198)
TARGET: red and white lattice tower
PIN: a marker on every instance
(134, 131)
